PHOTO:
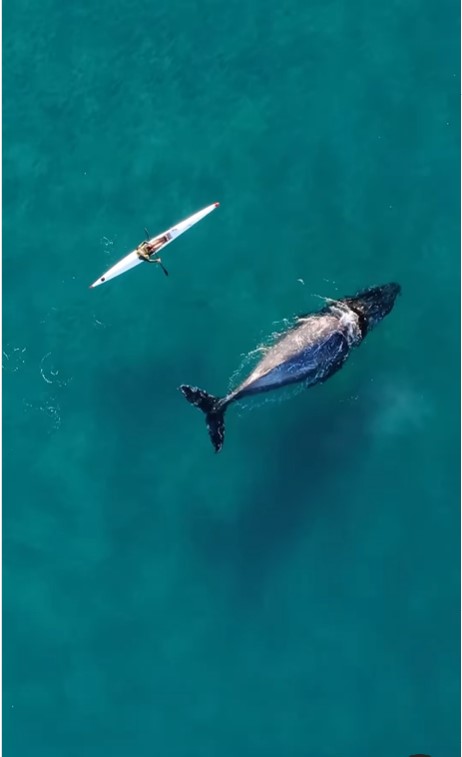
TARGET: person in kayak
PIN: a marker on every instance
(146, 249)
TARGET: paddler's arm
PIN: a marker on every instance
(146, 259)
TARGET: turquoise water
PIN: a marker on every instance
(298, 594)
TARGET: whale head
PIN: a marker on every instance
(372, 305)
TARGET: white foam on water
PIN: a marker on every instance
(13, 358)
(50, 373)
(273, 397)
(108, 244)
(49, 407)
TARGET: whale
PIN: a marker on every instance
(310, 351)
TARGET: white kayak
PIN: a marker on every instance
(131, 260)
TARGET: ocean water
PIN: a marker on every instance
(298, 594)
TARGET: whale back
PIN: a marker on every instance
(312, 350)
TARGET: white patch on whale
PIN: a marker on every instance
(250, 359)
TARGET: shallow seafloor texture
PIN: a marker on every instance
(298, 594)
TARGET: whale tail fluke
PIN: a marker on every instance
(214, 410)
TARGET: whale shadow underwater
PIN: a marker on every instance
(309, 352)
(303, 475)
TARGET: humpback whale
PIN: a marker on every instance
(310, 351)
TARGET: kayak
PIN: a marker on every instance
(131, 260)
